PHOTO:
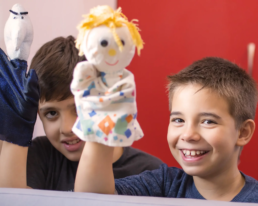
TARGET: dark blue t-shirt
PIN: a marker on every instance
(174, 182)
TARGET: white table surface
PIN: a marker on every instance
(27, 197)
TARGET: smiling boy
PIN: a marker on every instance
(212, 104)
(53, 159)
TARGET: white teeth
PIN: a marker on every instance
(73, 141)
(192, 152)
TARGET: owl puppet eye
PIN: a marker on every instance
(104, 43)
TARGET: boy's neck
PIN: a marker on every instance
(222, 187)
(118, 152)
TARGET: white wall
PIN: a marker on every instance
(50, 19)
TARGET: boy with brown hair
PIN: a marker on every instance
(212, 104)
(53, 159)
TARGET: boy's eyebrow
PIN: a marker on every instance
(46, 109)
(71, 105)
(175, 113)
(210, 114)
(201, 114)
(53, 108)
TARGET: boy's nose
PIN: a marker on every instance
(66, 126)
(190, 134)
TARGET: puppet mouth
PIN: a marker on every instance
(111, 64)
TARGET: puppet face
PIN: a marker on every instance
(101, 49)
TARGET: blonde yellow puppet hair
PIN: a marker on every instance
(105, 15)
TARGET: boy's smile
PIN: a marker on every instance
(58, 118)
(202, 134)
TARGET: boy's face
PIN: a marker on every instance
(58, 118)
(202, 135)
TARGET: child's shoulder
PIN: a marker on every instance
(249, 193)
(40, 142)
(133, 154)
(162, 182)
(42, 149)
(134, 161)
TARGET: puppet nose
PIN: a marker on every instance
(112, 52)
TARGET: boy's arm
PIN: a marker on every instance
(95, 170)
(1, 143)
(13, 161)
(95, 175)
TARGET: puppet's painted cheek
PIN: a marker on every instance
(112, 52)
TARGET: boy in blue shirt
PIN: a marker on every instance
(212, 104)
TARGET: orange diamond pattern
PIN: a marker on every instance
(129, 118)
(106, 125)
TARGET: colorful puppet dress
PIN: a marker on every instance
(106, 114)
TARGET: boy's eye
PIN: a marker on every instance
(177, 120)
(208, 121)
(51, 114)
(123, 42)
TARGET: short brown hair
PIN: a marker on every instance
(54, 63)
(225, 78)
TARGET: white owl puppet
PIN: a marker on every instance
(104, 90)
(18, 33)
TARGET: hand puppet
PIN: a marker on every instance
(18, 33)
(104, 90)
(19, 91)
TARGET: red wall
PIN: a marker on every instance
(176, 33)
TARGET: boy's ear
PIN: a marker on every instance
(245, 132)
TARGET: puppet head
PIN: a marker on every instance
(18, 33)
(108, 39)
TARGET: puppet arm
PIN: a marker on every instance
(83, 75)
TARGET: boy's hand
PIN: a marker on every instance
(19, 97)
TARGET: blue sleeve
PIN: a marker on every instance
(162, 182)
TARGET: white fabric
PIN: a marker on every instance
(105, 115)
(99, 56)
(18, 34)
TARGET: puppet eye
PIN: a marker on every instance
(123, 42)
(104, 43)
